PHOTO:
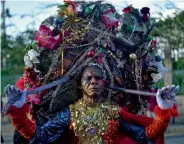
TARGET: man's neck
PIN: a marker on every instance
(92, 100)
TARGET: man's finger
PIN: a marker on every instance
(158, 95)
(168, 88)
(172, 90)
(177, 89)
(14, 88)
(163, 89)
(17, 90)
(11, 90)
(7, 89)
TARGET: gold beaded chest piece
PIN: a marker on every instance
(89, 122)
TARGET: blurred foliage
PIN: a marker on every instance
(178, 74)
(13, 50)
(179, 65)
(172, 29)
(12, 54)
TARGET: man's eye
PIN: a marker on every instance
(88, 78)
(98, 77)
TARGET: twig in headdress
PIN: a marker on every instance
(84, 63)
(149, 30)
(133, 28)
(110, 74)
(80, 60)
(126, 42)
(54, 61)
(62, 56)
(152, 25)
(62, 61)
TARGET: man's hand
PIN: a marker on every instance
(12, 91)
(166, 96)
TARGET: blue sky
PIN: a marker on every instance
(33, 7)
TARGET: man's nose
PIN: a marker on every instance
(94, 80)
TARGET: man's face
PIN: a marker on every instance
(92, 82)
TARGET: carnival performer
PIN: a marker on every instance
(94, 50)
(95, 119)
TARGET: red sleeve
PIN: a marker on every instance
(21, 122)
(160, 123)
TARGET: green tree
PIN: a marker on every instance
(171, 30)
(12, 53)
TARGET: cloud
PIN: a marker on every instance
(35, 8)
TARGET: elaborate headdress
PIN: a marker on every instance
(84, 32)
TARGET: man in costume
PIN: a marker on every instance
(93, 118)
(92, 48)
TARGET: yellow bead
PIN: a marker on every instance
(132, 56)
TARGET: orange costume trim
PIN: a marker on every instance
(21, 122)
